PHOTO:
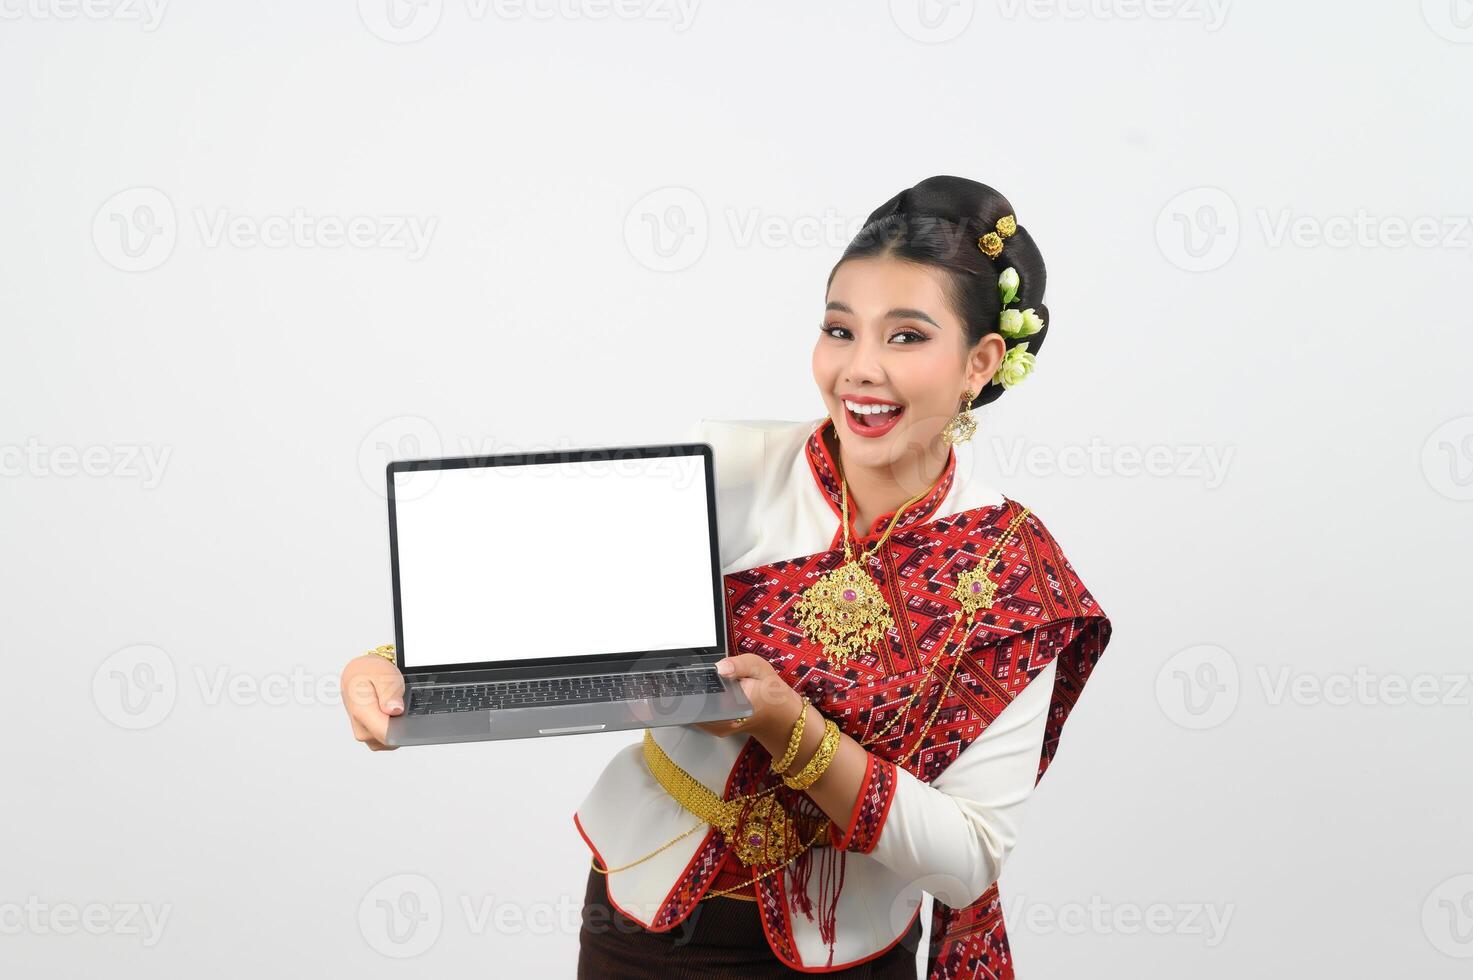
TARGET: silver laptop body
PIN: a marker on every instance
(557, 593)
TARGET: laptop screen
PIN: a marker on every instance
(536, 560)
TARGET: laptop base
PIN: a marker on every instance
(542, 721)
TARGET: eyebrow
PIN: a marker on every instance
(900, 313)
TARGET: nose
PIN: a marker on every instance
(864, 364)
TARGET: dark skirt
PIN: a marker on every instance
(722, 937)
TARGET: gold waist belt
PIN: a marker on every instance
(766, 837)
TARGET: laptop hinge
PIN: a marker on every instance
(656, 661)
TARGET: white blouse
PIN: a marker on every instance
(948, 837)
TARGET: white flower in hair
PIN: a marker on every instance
(1007, 285)
(1019, 323)
(1016, 365)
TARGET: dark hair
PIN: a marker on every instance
(937, 223)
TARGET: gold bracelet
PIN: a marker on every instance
(781, 765)
(387, 652)
(819, 764)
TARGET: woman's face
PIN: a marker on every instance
(889, 337)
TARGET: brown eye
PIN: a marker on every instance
(826, 328)
(911, 333)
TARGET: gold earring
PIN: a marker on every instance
(961, 426)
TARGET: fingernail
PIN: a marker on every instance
(396, 706)
(722, 667)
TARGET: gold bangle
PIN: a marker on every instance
(819, 764)
(387, 652)
(781, 765)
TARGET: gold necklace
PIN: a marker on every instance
(974, 597)
(975, 590)
(925, 681)
(725, 891)
(844, 611)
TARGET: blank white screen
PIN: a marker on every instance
(554, 559)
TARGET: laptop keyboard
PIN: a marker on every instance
(561, 690)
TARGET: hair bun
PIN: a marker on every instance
(956, 199)
(957, 213)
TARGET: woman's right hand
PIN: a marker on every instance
(373, 690)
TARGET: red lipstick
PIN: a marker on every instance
(862, 428)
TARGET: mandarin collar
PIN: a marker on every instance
(826, 477)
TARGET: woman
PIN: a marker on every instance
(912, 642)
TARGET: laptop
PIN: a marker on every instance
(557, 593)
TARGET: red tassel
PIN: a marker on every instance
(798, 886)
(801, 868)
(828, 894)
(829, 884)
(741, 822)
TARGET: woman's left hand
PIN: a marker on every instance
(775, 705)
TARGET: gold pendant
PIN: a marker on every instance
(764, 837)
(767, 834)
(844, 611)
(975, 590)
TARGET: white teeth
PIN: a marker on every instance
(859, 409)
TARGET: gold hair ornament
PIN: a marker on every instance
(991, 243)
(1014, 324)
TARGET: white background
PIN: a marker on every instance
(626, 223)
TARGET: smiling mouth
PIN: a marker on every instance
(874, 416)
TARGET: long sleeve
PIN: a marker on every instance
(952, 835)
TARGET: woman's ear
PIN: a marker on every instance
(983, 361)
